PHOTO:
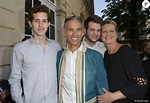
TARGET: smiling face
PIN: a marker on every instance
(39, 23)
(93, 32)
(109, 34)
(73, 32)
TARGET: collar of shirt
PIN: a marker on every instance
(78, 50)
(97, 44)
(33, 41)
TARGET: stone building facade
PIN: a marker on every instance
(13, 23)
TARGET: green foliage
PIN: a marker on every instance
(127, 12)
(131, 18)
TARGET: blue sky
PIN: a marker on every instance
(98, 6)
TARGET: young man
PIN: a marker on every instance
(34, 61)
(92, 29)
(81, 73)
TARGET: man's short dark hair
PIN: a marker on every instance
(38, 8)
(92, 18)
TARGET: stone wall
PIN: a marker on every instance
(11, 31)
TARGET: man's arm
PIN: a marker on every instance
(101, 75)
(15, 77)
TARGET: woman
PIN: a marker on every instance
(126, 78)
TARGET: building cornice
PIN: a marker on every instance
(60, 12)
(89, 4)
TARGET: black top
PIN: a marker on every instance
(124, 70)
(146, 64)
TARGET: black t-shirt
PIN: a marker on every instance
(123, 70)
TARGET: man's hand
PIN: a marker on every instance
(4, 94)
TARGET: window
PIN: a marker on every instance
(49, 3)
(51, 30)
(52, 1)
(28, 5)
